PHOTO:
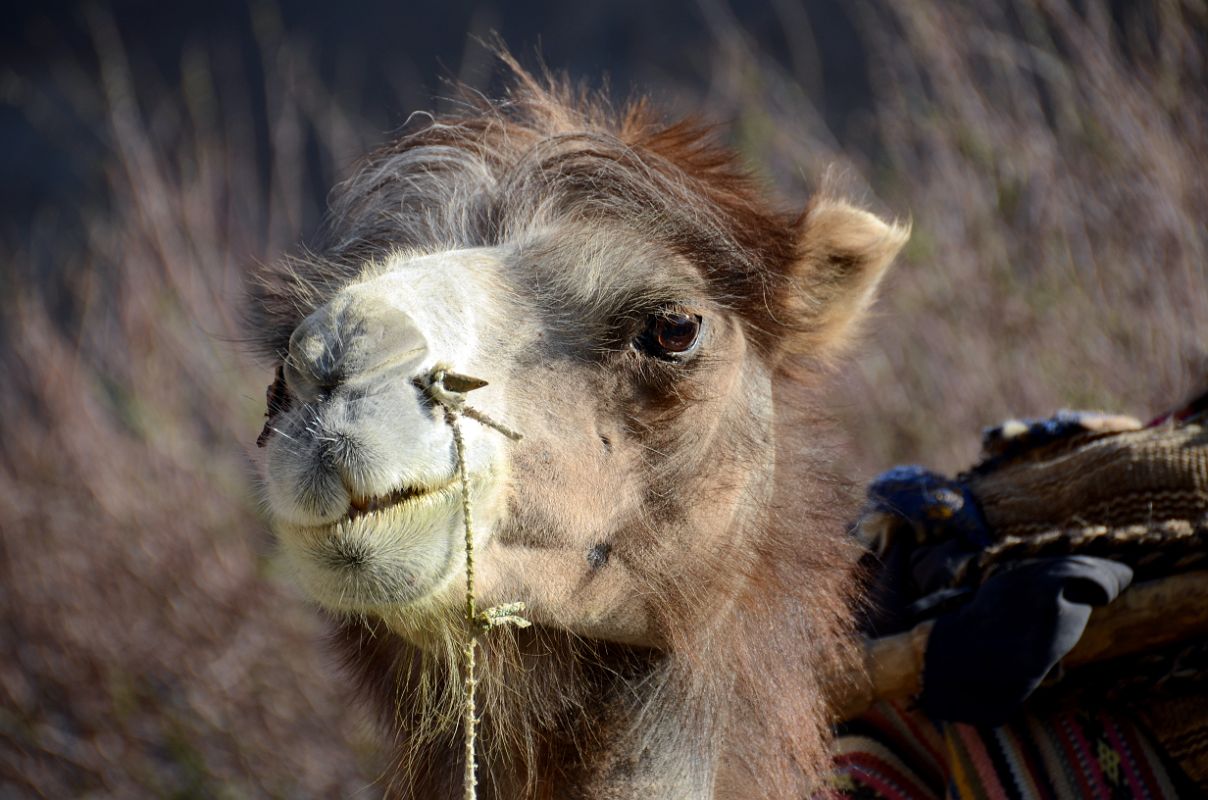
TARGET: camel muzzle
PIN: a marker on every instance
(354, 337)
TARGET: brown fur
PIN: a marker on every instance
(742, 595)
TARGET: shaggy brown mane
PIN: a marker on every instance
(748, 632)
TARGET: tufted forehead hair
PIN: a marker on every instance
(546, 155)
(552, 160)
(549, 157)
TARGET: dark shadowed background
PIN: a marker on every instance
(1050, 154)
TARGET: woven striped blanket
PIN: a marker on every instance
(893, 753)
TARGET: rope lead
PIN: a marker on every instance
(448, 390)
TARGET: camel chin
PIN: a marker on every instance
(393, 560)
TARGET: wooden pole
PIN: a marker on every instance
(1145, 616)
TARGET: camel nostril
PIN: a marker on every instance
(316, 356)
(352, 338)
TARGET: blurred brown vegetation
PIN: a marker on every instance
(1052, 161)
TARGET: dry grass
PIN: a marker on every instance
(1054, 173)
(149, 651)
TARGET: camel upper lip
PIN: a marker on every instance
(361, 505)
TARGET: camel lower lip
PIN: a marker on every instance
(378, 504)
(390, 557)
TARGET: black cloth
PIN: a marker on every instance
(984, 659)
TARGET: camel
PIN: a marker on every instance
(655, 328)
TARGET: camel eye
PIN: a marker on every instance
(671, 334)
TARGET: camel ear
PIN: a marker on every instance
(843, 252)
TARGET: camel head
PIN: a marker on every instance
(631, 302)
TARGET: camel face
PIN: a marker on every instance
(650, 323)
(630, 300)
(633, 386)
